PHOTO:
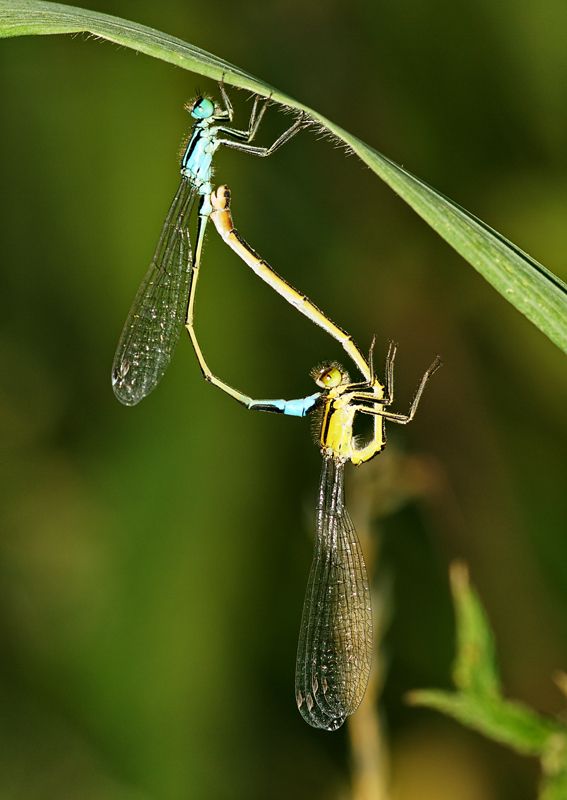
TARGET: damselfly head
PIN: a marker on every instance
(330, 375)
(201, 108)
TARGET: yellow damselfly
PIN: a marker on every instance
(335, 642)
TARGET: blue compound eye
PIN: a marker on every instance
(202, 108)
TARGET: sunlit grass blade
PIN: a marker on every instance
(530, 287)
(535, 291)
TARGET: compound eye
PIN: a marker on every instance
(202, 108)
(329, 378)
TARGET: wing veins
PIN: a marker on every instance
(155, 321)
(335, 644)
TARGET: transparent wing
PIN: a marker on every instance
(154, 324)
(335, 641)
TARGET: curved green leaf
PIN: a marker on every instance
(35, 17)
(530, 287)
(479, 702)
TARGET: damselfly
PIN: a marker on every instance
(335, 642)
(160, 308)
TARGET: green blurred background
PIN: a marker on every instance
(154, 560)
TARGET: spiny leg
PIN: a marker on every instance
(402, 419)
(228, 110)
(244, 137)
(389, 372)
(255, 118)
(262, 152)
